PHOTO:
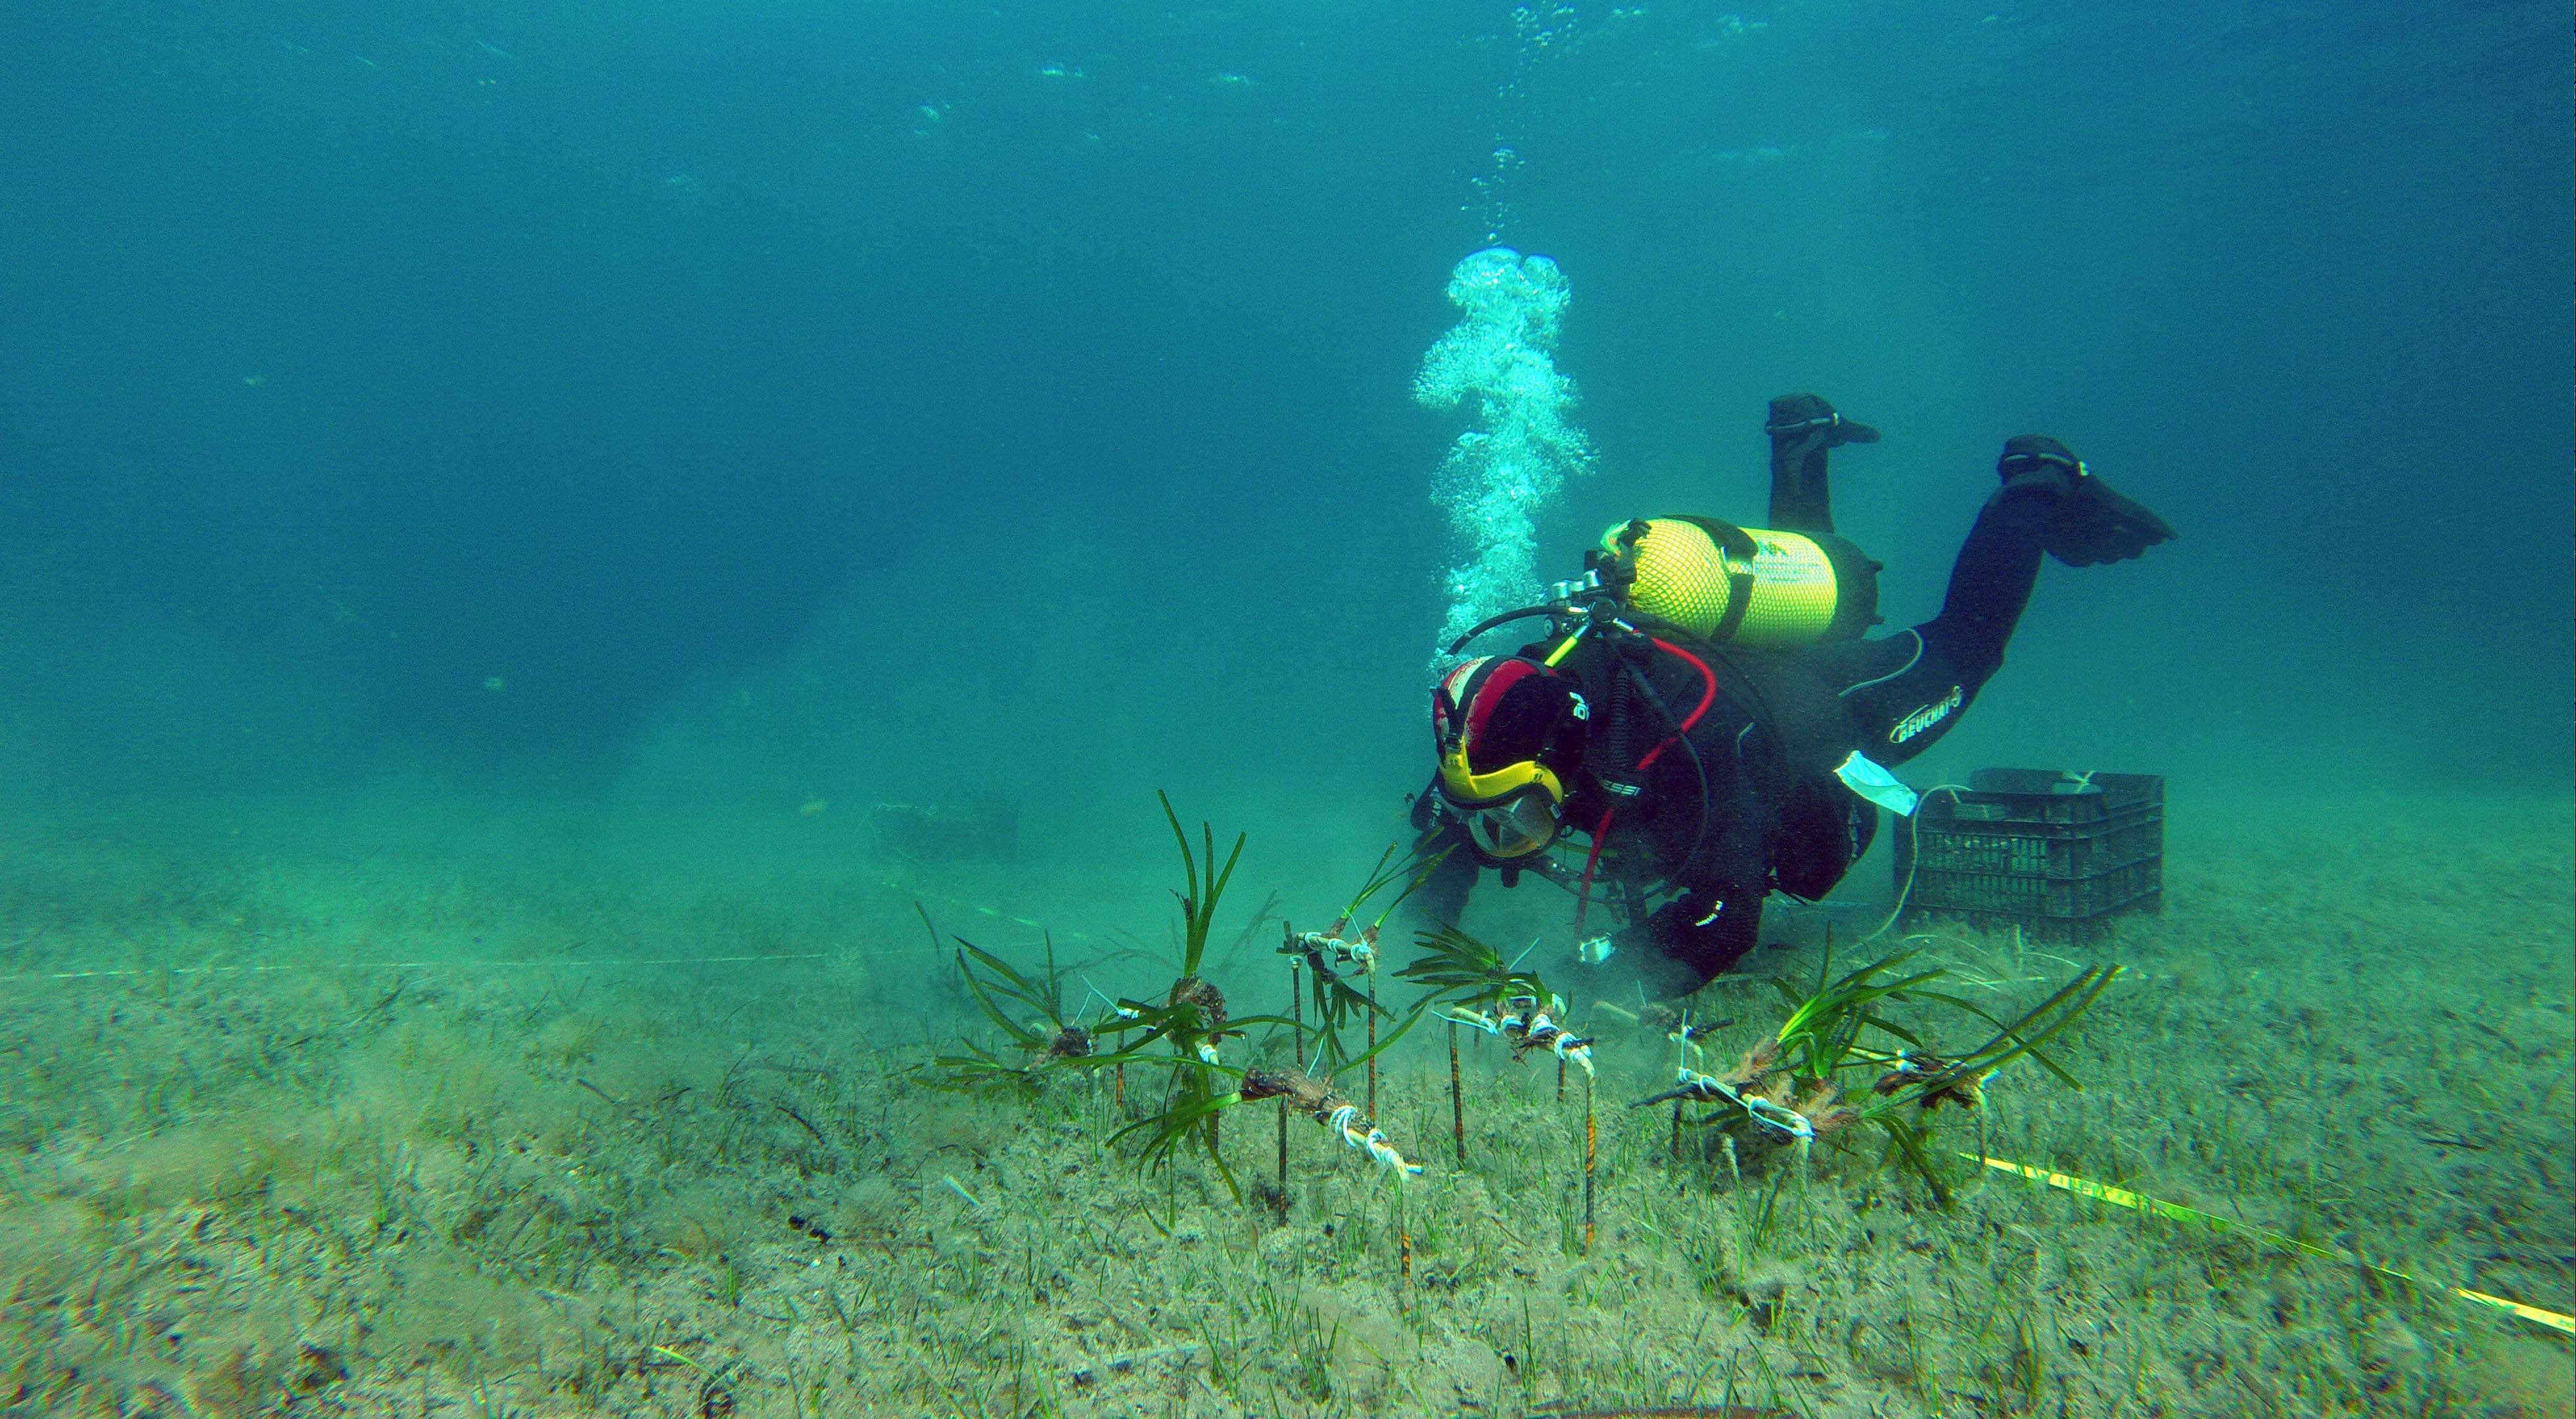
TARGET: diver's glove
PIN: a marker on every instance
(2092, 524)
(1805, 423)
(1644, 957)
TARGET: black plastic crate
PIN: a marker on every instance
(2044, 850)
(2047, 796)
(2035, 897)
(2052, 853)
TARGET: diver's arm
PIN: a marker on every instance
(1442, 897)
(1725, 874)
(1691, 940)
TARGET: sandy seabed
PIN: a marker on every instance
(544, 1113)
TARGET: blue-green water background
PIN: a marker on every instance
(727, 404)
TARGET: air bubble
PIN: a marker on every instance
(1502, 472)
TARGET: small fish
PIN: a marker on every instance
(489, 47)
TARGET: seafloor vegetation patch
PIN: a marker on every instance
(625, 1140)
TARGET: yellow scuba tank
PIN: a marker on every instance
(1744, 585)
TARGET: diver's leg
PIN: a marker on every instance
(1904, 698)
(1917, 690)
(1803, 428)
(1800, 498)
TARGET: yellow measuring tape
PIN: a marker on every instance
(2119, 1197)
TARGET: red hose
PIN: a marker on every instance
(1601, 830)
(1707, 691)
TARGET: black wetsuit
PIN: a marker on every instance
(1753, 804)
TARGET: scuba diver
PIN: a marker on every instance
(1705, 710)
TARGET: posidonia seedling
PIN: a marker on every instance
(1192, 1019)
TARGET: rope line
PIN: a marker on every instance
(548, 962)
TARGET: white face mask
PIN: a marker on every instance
(1876, 784)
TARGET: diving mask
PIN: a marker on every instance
(1502, 728)
(1507, 814)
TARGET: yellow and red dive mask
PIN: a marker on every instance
(1509, 733)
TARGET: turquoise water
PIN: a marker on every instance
(895, 363)
(536, 535)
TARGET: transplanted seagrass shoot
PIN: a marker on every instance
(1467, 979)
(1190, 1114)
(1806, 1081)
(1471, 984)
(1191, 1018)
(1046, 1040)
(1322, 964)
(1202, 1085)
(1192, 1014)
